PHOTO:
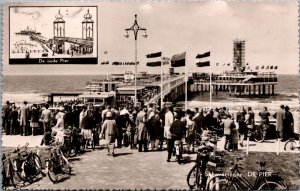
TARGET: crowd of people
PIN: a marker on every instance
(143, 128)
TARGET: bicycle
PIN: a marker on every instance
(8, 171)
(57, 164)
(235, 180)
(28, 164)
(291, 144)
(206, 164)
(258, 134)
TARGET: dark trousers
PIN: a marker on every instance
(132, 142)
(7, 127)
(143, 143)
(170, 144)
(24, 129)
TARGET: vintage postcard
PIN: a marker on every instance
(53, 35)
(150, 95)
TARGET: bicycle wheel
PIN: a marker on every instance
(191, 177)
(258, 136)
(290, 145)
(73, 152)
(269, 185)
(220, 183)
(53, 176)
(37, 163)
(11, 175)
(65, 167)
(19, 165)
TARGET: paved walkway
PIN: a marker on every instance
(130, 169)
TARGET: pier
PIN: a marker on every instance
(172, 88)
(239, 84)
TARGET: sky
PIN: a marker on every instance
(269, 29)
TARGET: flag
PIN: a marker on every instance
(203, 64)
(224, 64)
(271, 67)
(275, 67)
(204, 55)
(105, 52)
(263, 67)
(154, 59)
(154, 55)
(228, 64)
(267, 68)
(178, 60)
(217, 64)
(257, 67)
(104, 63)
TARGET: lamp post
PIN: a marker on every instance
(135, 28)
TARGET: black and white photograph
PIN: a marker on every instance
(150, 95)
(52, 35)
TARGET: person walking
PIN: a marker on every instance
(110, 132)
(280, 116)
(142, 130)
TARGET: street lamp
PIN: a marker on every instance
(135, 28)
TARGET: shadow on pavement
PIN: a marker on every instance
(74, 159)
(187, 159)
(120, 154)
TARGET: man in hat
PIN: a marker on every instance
(279, 115)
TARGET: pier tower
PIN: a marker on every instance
(87, 26)
(239, 55)
(59, 34)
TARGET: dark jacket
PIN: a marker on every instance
(177, 130)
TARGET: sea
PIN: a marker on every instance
(34, 89)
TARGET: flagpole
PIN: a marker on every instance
(210, 84)
(161, 82)
(186, 79)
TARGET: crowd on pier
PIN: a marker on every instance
(143, 128)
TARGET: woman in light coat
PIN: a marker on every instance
(110, 132)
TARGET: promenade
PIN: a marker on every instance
(131, 169)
